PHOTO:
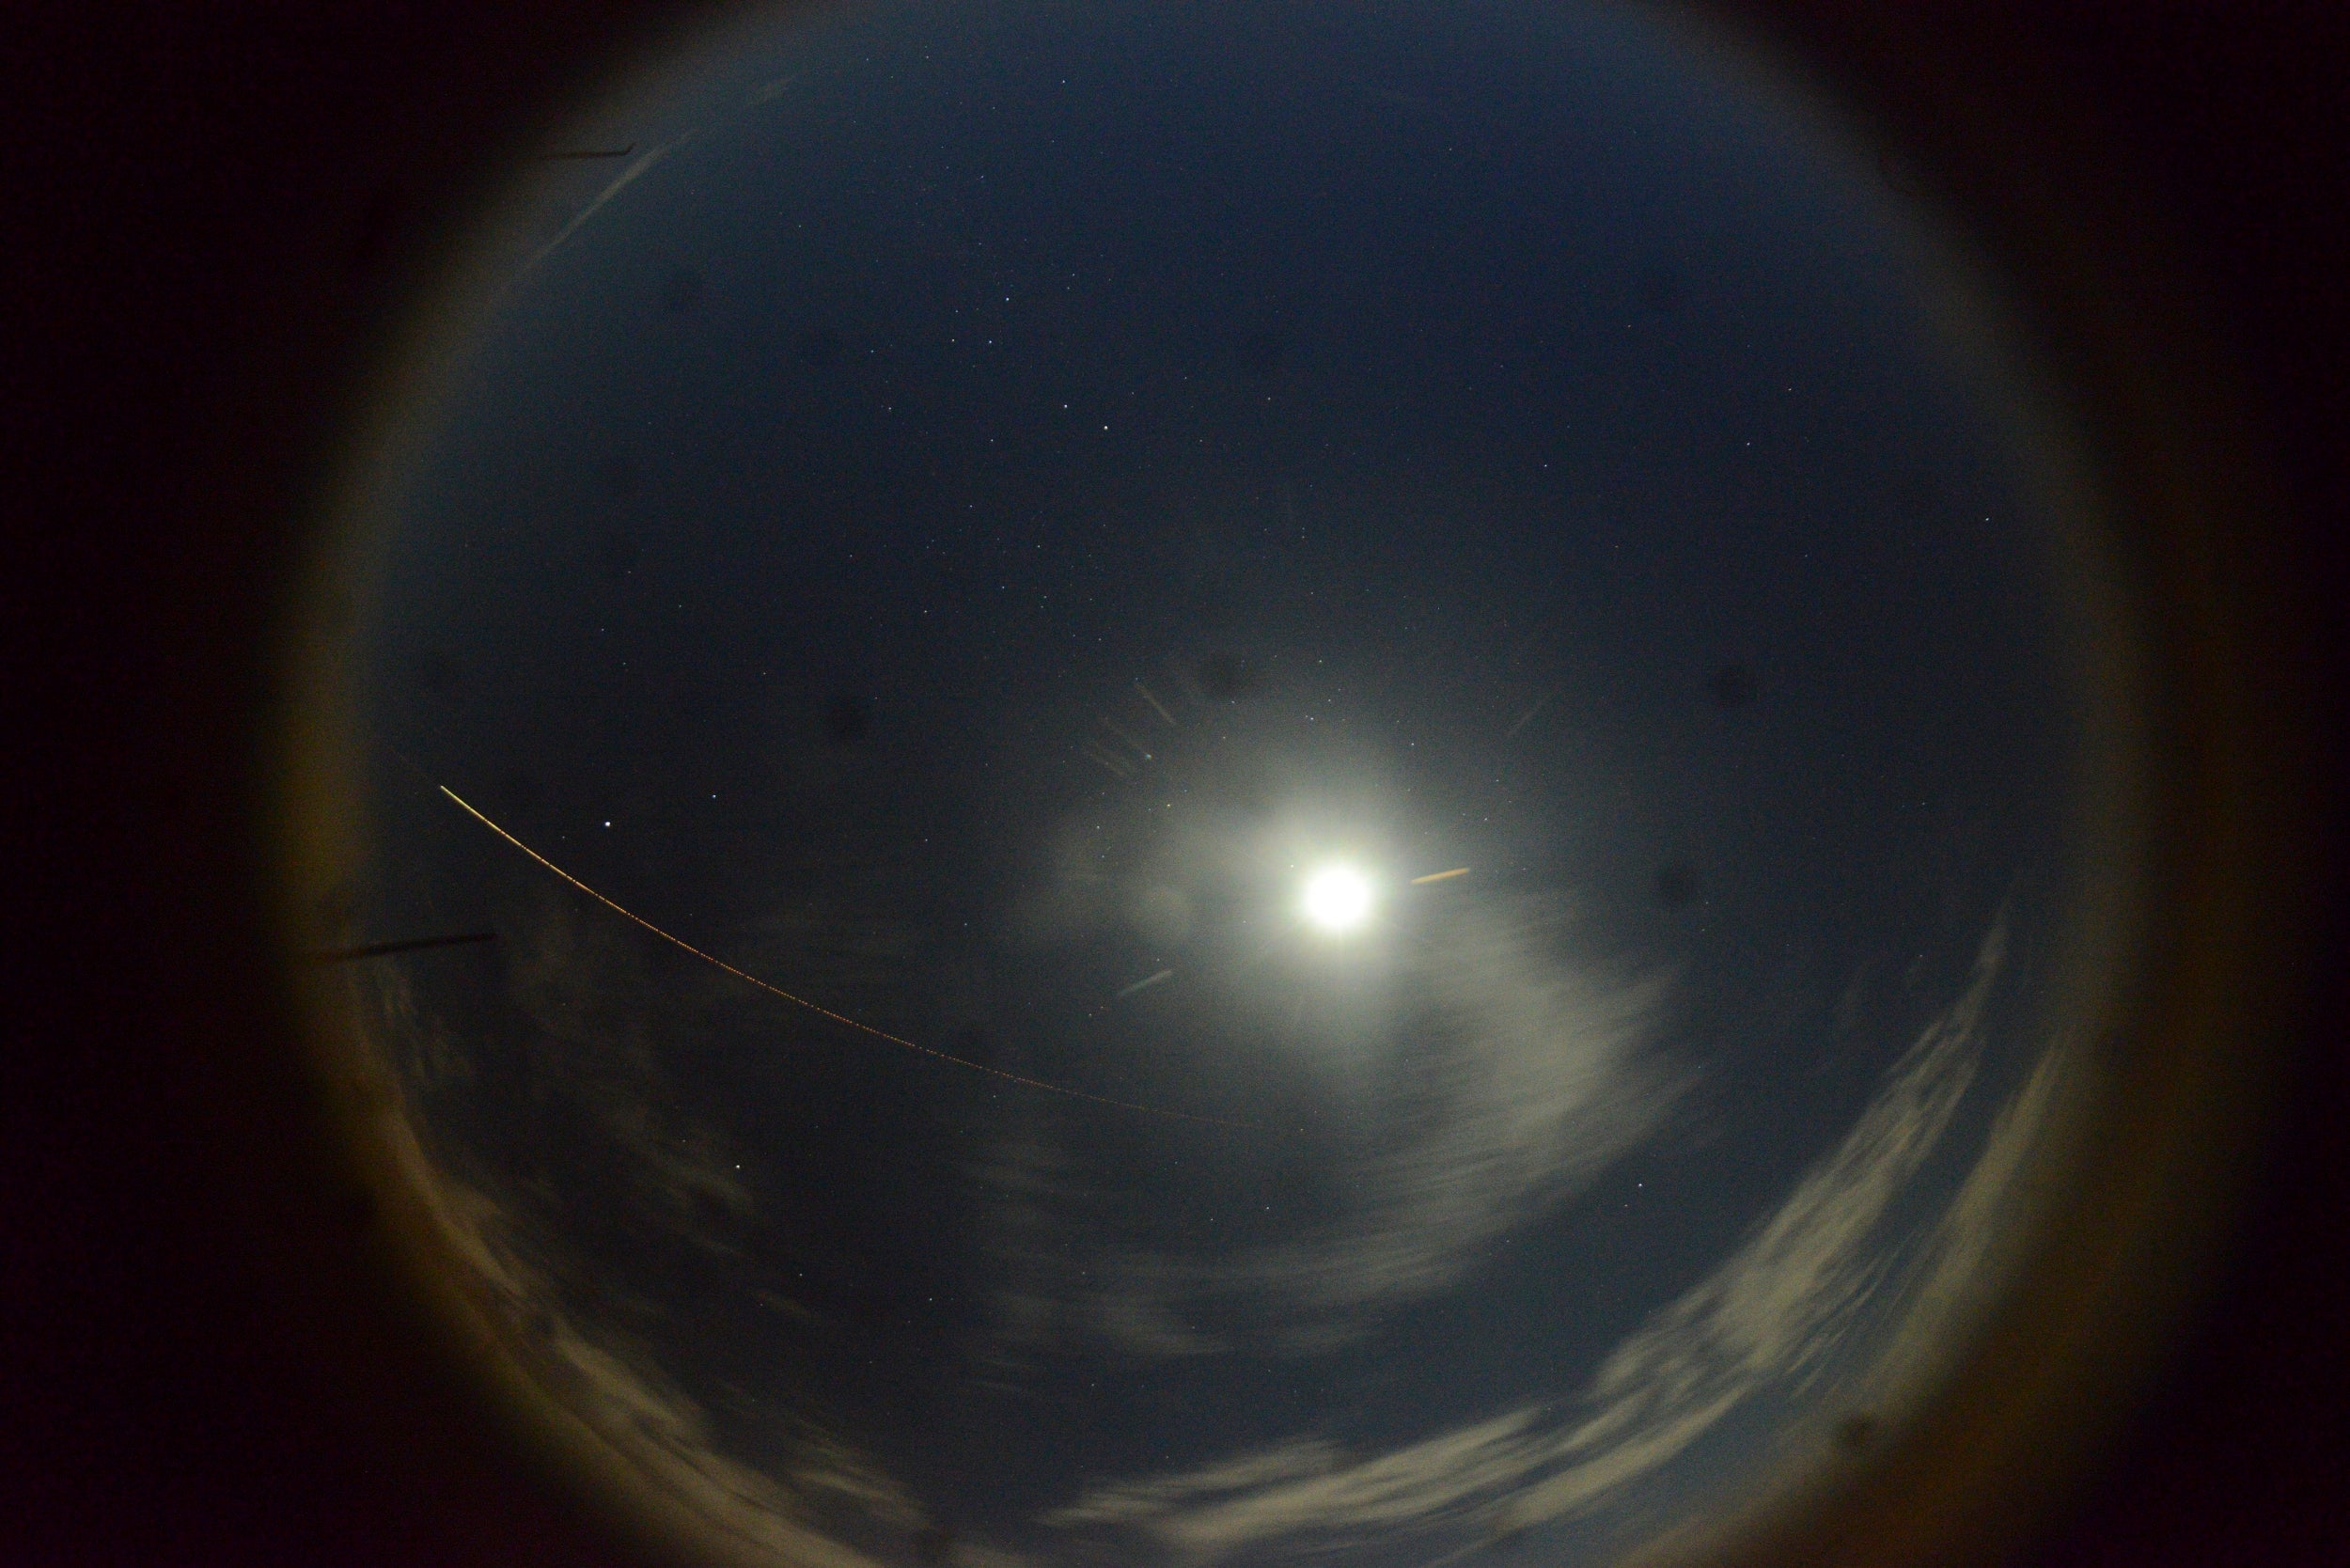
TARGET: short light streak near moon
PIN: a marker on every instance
(819, 1008)
(1525, 718)
(1145, 983)
(1114, 727)
(1439, 876)
(1337, 898)
(1156, 706)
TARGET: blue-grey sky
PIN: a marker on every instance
(979, 503)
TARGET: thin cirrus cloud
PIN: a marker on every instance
(1788, 1296)
(597, 1042)
(1531, 1077)
(1774, 1310)
(791, 1510)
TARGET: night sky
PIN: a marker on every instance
(973, 509)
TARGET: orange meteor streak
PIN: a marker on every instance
(815, 1008)
(1441, 876)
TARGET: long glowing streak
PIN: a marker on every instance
(627, 176)
(1439, 876)
(819, 1008)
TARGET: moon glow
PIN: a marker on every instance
(1338, 898)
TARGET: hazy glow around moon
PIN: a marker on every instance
(1337, 898)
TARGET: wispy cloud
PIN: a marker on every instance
(616, 1391)
(1963, 1255)
(509, 1262)
(1529, 1077)
(1532, 1058)
(1775, 1307)
(595, 1039)
(596, 1043)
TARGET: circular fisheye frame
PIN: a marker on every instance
(1231, 785)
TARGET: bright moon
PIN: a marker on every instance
(1337, 898)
